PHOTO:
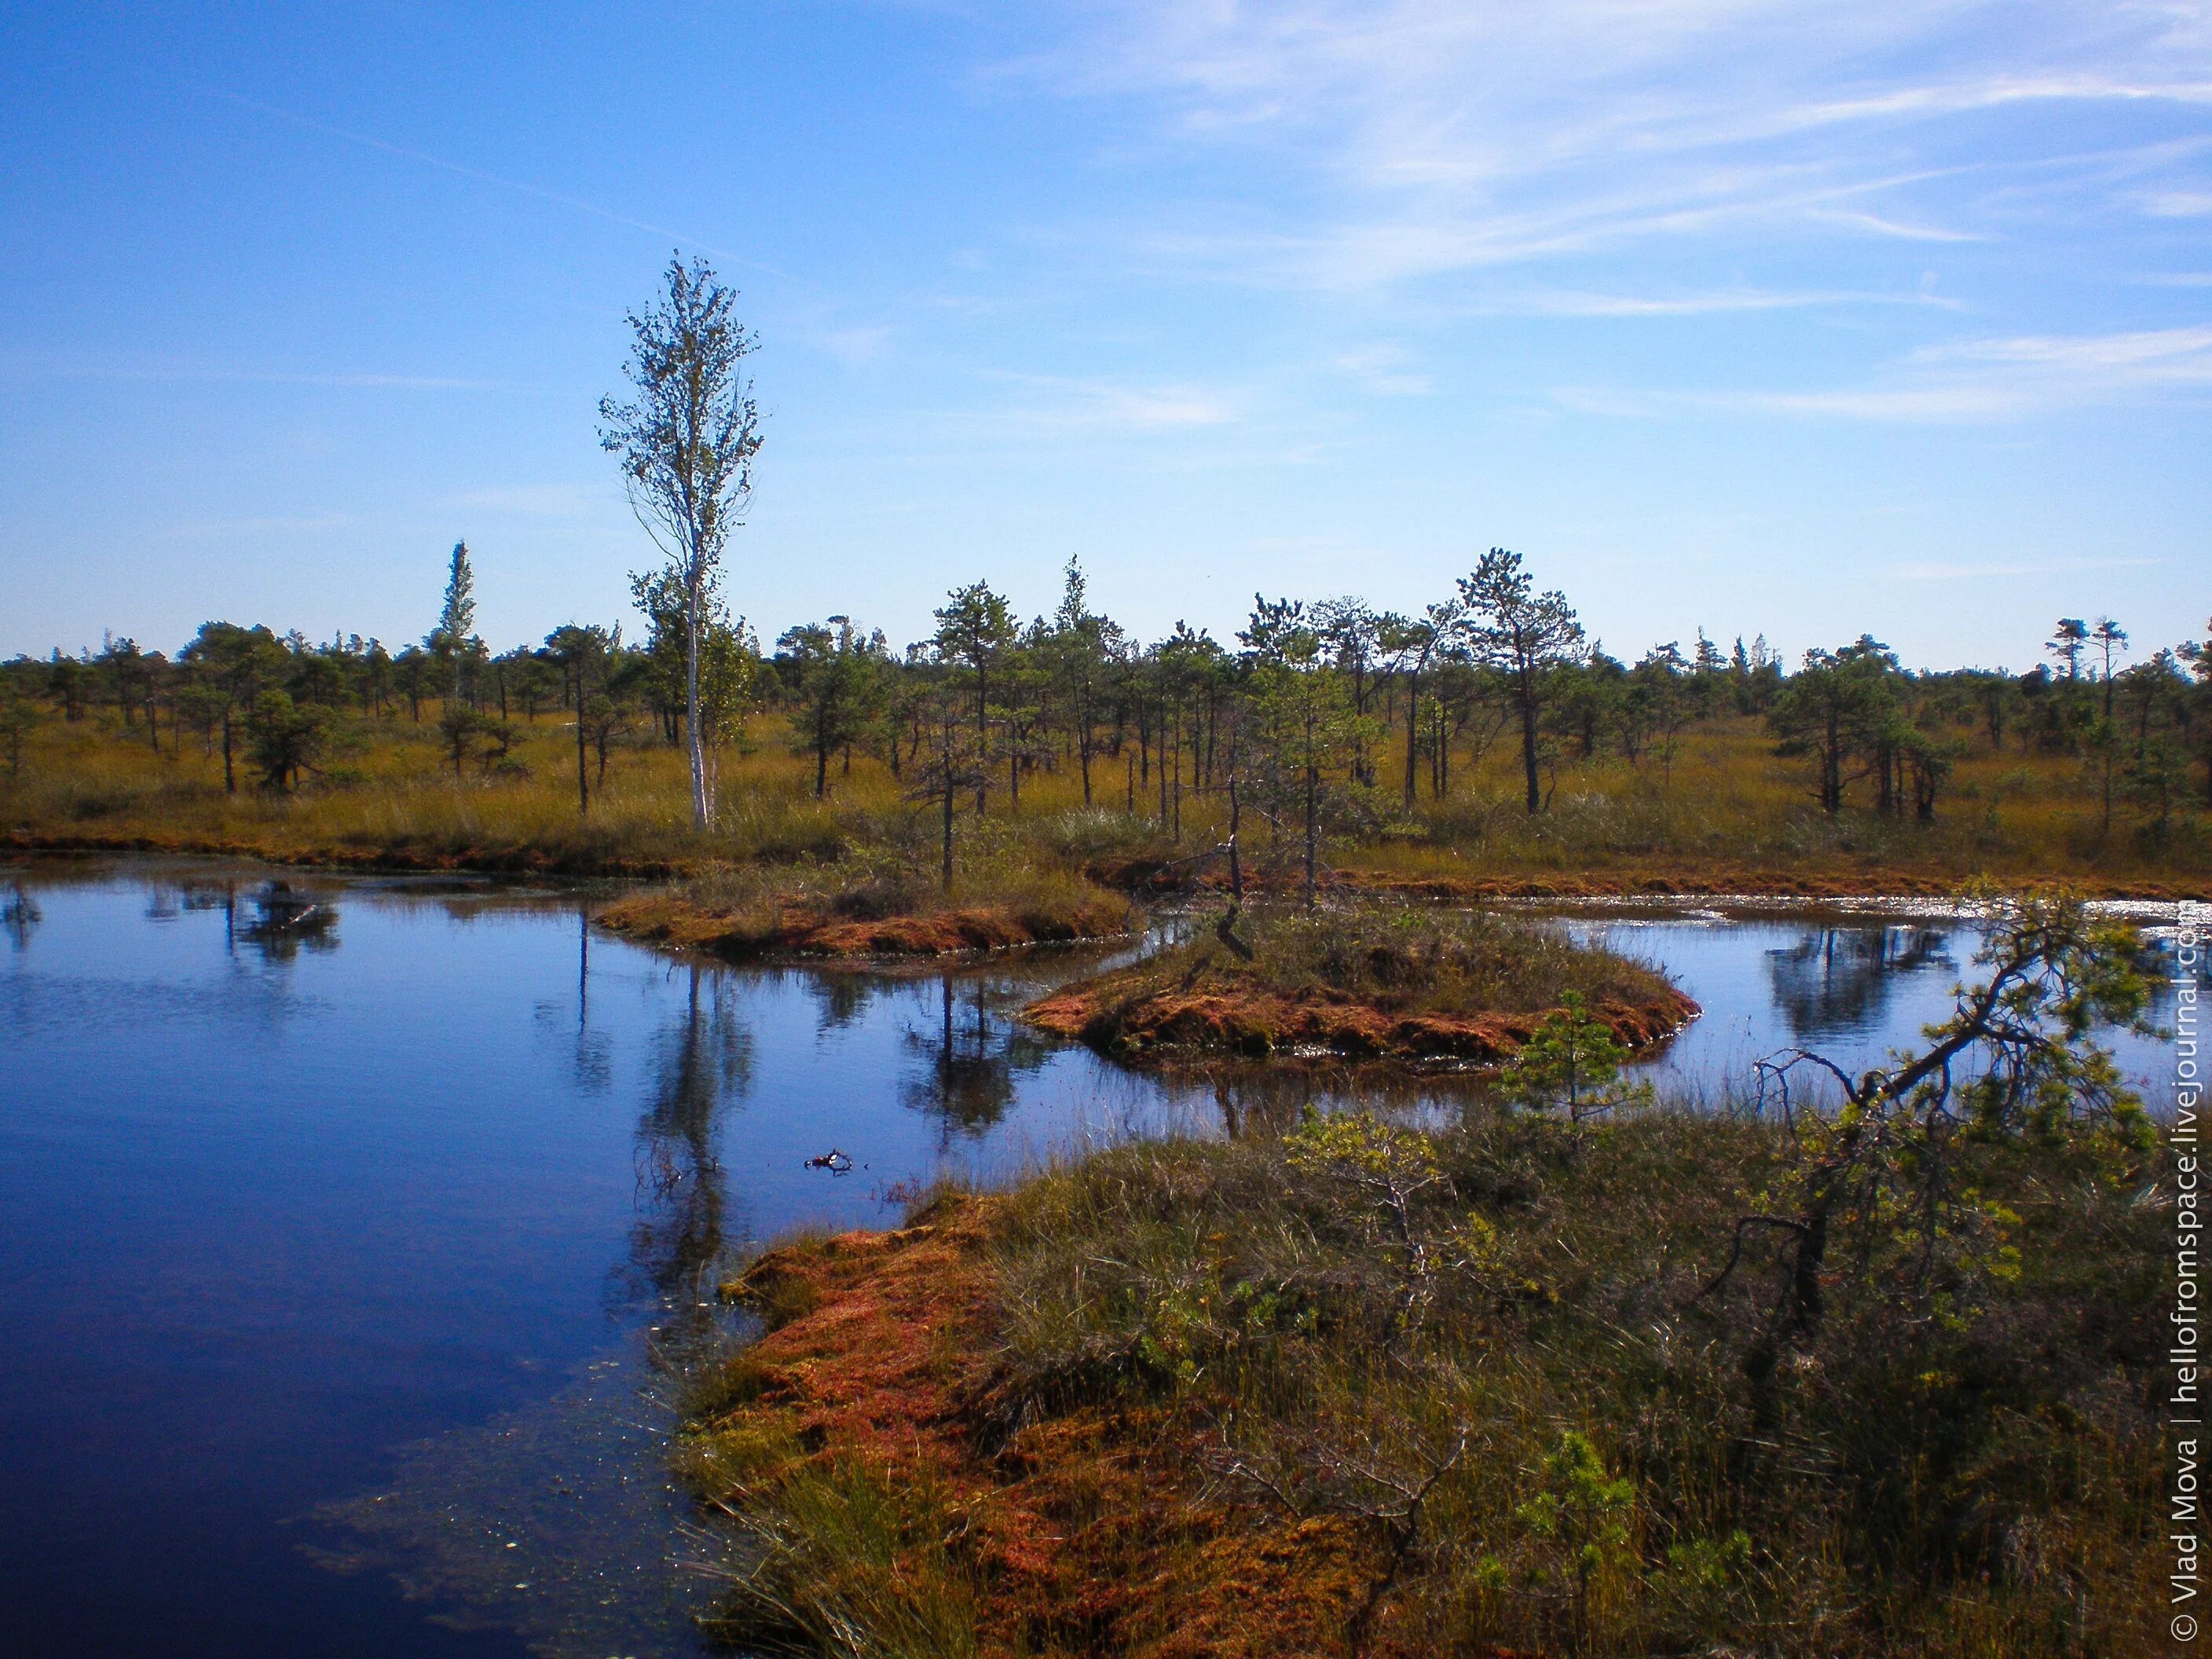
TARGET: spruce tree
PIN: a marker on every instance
(456, 618)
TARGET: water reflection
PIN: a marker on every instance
(555, 1521)
(840, 997)
(1838, 981)
(276, 918)
(2164, 973)
(558, 1521)
(680, 1239)
(282, 920)
(591, 1051)
(593, 1066)
(482, 1154)
(973, 1056)
(20, 916)
(1262, 1101)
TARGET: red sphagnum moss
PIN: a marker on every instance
(1101, 1529)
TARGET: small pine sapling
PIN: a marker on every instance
(1571, 1060)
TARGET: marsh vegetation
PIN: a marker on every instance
(355, 768)
(1484, 745)
(1577, 1374)
(1877, 1382)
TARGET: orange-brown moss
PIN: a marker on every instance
(670, 918)
(1094, 1531)
(1244, 1019)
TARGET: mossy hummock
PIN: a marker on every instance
(866, 1445)
(804, 929)
(1389, 982)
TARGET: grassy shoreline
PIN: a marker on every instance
(1684, 880)
(797, 926)
(398, 859)
(1196, 1399)
(1576, 1374)
(1729, 817)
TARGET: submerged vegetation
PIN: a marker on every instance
(1377, 979)
(1870, 1382)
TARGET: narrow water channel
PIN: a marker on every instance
(347, 1227)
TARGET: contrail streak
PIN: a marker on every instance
(682, 239)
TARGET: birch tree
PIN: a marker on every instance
(687, 439)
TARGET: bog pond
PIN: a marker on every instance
(349, 1229)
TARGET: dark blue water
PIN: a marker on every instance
(348, 1230)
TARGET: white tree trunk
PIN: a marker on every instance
(703, 806)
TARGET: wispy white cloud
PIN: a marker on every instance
(2167, 354)
(1881, 225)
(1386, 371)
(1964, 381)
(1395, 240)
(1428, 90)
(1996, 91)
(1072, 403)
(1434, 137)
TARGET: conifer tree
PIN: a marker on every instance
(456, 618)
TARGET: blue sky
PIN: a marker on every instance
(1800, 319)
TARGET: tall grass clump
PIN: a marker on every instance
(840, 1560)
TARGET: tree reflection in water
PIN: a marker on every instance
(840, 999)
(1836, 980)
(681, 1235)
(273, 919)
(974, 1059)
(285, 920)
(20, 917)
(593, 1065)
(1258, 1103)
(1265, 1100)
(192, 897)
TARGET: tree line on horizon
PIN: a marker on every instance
(1314, 708)
(1323, 714)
